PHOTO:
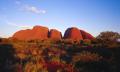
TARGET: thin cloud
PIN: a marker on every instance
(28, 8)
(34, 9)
(17, 2)
(16, 25)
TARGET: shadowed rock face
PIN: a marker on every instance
(55, 34)
(73, 33)
(42, 33)
(86, 35)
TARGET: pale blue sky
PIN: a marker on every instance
(93, 16)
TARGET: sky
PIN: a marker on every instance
(93, 16)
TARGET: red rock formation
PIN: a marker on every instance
(73, 33)
(86, 35)
(22, 34)
(42, 33)
(38, 32)
(55, 34)
(76, 34)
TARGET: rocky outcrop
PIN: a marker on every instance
(86, 35)
(23, 34)
(38, 32)
(77, 34)
(73, 33)
(55, 34)
(43, 33)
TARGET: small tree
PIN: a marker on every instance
(109, 35)
(109, 39)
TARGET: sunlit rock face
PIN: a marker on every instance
(22, 34)
(73, 33)
(55, 34)
(77, 34)
(43, 33)
(38, 32)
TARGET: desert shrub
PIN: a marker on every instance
(87, 61)
(35, 67)
(86, 56)
(68, 41)
(93, 66)
(87, 42)
(66, 58)
(94, 60)
(116, 60)
(81, 42)
(5, 40)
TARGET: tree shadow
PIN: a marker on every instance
(7, 59)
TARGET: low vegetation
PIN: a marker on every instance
(98, 55)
